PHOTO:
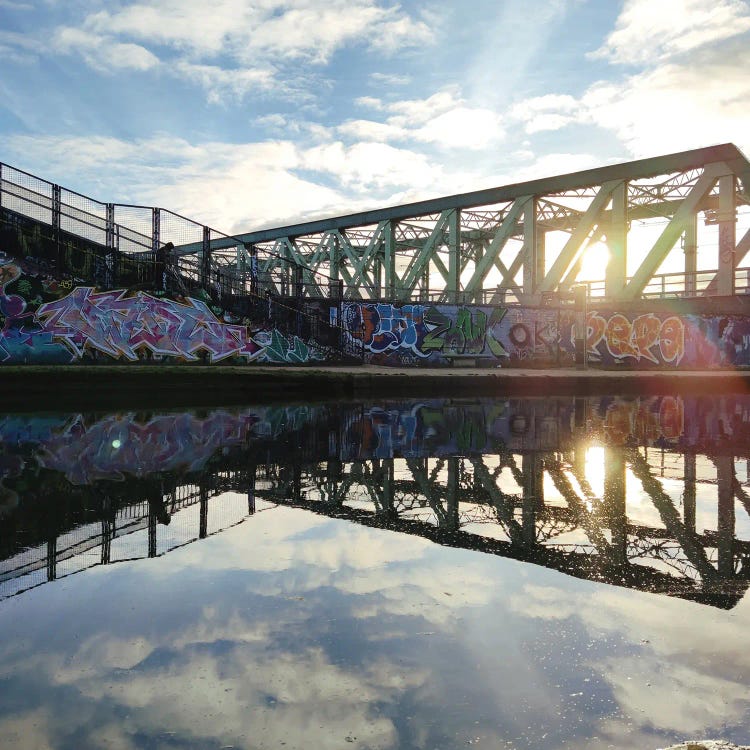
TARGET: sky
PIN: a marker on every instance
(245, 115)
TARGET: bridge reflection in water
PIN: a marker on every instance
(649, 493)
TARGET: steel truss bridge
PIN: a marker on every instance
(536, 506)
(675, 225)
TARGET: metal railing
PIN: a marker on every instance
(137, 232)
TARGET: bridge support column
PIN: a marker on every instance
(151, 530)
(203, 522)
(688, 501)
(725, 525)
(690, 248)
(107, 534)
(389, 259)
(109, 234)
(451, 492)
(334, 259)
(727, 234)
(615, 503)
(206, 258)
(453, 284)
(617, 238)
(56, 230)
(377, 278)
(52, 559)
(532, 249)
(533, 498)
(387, 473)
(251, 487)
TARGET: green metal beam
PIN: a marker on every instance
(574, 246)
(673, 230)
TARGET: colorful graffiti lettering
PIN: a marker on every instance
(469, 334)
(118, 325)
(431, 333)
(645, 337)
(44, 320)
(277, 348)
(387, 327)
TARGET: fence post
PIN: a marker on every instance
(298, 283)
(56, 210)
(160, 273)
(206, 258)
(110, 243)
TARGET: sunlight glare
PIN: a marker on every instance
(594, 263)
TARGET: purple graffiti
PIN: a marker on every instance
(119, 326)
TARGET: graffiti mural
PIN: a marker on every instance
(419, 334)
(645, 337)
(438, 334)
(44, 320)
(119, 326)
(54, 322)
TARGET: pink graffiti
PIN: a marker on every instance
(640, 338)
(119, 326)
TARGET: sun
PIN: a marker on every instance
(594, 263)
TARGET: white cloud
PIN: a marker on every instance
(420, 111)
(367, 165)
(463, 127)
(676, 680)
(221, 83)
(549, 112)
(443, 119)
(234, 46)
(675, 106)
(102, 53)
(296, 29)
(17, 48)
(228, 186)
(369, 101)
(371, 130)
(274, 120)
(677, 102)
(647, 31)
(183, 24)
(390, 79)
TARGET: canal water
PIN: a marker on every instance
(509, 573)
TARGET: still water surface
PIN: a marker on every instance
(520, 573)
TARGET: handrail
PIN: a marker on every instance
(25, 196)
